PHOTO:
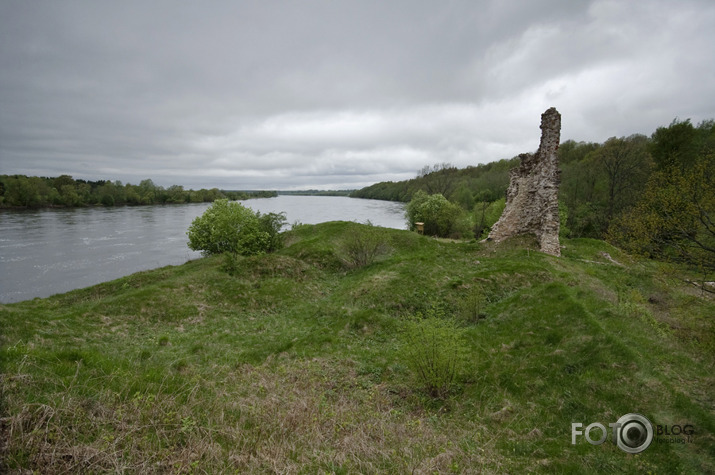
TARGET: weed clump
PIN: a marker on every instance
(435, 350)
(471, 307)
(362, 246)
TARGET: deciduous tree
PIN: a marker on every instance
(230, 227)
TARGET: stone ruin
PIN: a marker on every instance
(532, 199)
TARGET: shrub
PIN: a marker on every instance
(272, 223)
(486, 214)
(361, 247)
(440, 216)
(107, 200)
(435, 350)
(472, 305)
(564, 230)
(231, 263)
(230, 227)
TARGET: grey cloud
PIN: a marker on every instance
(318, 93)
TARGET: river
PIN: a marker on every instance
(50, 251)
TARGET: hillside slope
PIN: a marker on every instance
(296, 363)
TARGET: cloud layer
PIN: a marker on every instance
(323, 94)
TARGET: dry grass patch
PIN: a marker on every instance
(291, 416)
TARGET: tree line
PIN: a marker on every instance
(653, 196)
(20, 191)
(484, 182)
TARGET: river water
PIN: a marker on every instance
(50, 251)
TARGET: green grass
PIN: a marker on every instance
(295, 363)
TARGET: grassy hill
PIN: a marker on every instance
(300, 363)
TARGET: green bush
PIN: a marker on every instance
(107, 200)
(471, 307)
(564, 230)
(272, 223)
(486, 214)
(231, 263)
(230, 227)
(362, 247)
(440, 217)
(435, 350)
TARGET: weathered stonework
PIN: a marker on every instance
(532, 199)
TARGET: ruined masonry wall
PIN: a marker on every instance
(532, 199)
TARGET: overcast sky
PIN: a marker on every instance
(334, 94)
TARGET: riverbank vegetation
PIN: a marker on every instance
(427, 356)
(20, 191)
(654, 196)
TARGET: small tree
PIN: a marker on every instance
(486, 214)
(626, 164)
(230, 227)
(675, 218)
(440, 216)
(272, 223)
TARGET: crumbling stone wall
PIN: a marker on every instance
(532, 199)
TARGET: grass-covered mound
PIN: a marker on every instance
(299, 361)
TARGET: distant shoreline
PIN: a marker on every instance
(123, 205)
(33, 192)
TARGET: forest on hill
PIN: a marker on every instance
(653, 196)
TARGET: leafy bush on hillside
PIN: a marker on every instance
(361, 247)
(229, 227)
(471, 307)
(674, 219)
(435, 350)
(440, 216)
(486, 214)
